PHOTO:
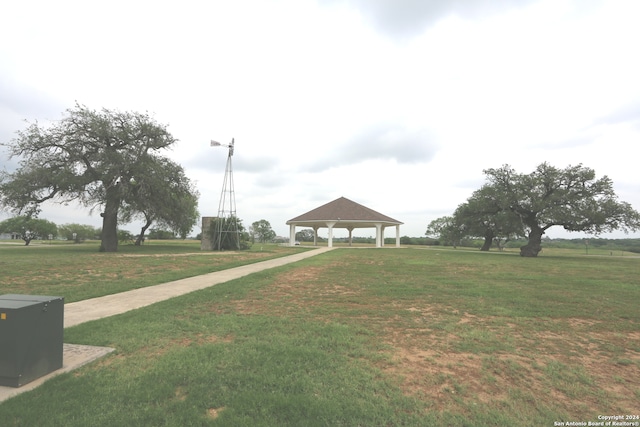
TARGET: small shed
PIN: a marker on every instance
(344, 213)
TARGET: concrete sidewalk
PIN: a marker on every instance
(75, 313)
(79, 312)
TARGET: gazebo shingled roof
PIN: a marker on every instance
(344, 213)
(344, 209)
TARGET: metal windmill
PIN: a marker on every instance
(227, 222)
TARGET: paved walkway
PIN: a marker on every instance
(79, 312)
(75, 313)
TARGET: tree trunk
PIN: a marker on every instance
(488, 239)
(140, 238)
(110, 221)
(534, 245)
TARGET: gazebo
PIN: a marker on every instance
(343, 213)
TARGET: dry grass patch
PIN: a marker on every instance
(556, 365)
(214, 413)
(297, 290)
(555, 361)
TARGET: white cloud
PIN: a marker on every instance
(395, 105)
(404, 146)
(403, 19)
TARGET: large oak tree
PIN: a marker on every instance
(571, 198)
(93, 157)
(483, 216)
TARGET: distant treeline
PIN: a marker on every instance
(629, 245)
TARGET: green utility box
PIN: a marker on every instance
(31, 334)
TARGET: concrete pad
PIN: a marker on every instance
(73, 357)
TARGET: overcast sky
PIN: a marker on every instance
(395, 104)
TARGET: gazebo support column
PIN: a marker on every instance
(292, 235)
(397, 236)
(330, 227)
(315, 236)
(378, 235)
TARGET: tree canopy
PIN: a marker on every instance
(29, 228)
(305, 235)
(164, 196)
(262, 231)
(107, 160)
(78, 232)
(512, 205)
(447, 229)
(571, 198)
(228, 234)
(482, 216)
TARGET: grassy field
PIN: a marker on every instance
(364, 337)
(79, 271)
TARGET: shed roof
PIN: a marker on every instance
(345, 211)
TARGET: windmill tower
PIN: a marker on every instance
(227, 233)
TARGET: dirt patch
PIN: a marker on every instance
(467, 318)
(430, 370)
(441, 378)
(209, 339)
(301, 287)
(581, 323)
(180, 394)
(552, 362)
(214, 413)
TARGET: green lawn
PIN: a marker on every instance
(366, 337)
(79, 271)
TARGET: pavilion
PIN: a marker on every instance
(343, 213)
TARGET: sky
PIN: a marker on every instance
(398, 105)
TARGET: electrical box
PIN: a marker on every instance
(31, 335)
